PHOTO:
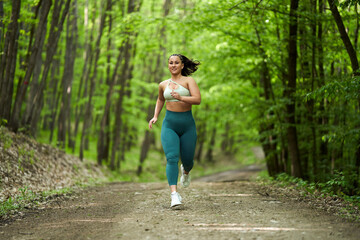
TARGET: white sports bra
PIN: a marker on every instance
(181, 90)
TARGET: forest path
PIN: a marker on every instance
(211, 210)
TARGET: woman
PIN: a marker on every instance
(178, 132)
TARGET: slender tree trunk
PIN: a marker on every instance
(37, 103)
(283, 155)
(36, 48)
(88, 59)
(269, 142)
(68, 75)
(119, 105)
(88, 111)
(201, 129)
(55, 95)
(158, 73)
(209, 153)
(225, 143)
(129, 48)
(8, 62)
(104, 133)
(356, 33)
(291, 90)
(1, 25)
(322, 121)
(307, 72)
(345, 37)
(313, 153)
(355, 67)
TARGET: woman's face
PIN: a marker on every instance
(175, 65)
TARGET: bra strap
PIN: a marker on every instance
(174, 82)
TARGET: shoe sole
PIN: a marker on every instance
(176, 207)
(182, 172)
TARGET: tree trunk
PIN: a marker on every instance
(356, 33)
(209, 153)
(104, 133)
(102, 147)
(158, 73)
(290, 92)
(31, 64)
(345, 37)
(269, 142)
(1, 25)
(54, 99)
(8, 62)
(322, 120)
(201, 129)
(68, 75)
(355, 67)
(37, 103)
(119, 105)
(88, 59)
(88, 111)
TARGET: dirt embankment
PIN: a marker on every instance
(25, 163)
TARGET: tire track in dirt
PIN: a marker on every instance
(211, 210)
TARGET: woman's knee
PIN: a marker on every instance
(172, 160)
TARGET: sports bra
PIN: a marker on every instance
(181, 90)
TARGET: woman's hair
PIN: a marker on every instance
(190, 66)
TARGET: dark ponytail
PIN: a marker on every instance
(190, 66)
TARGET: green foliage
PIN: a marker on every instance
(25, 156)
(341, 183)
(26, 196)
(29, 199)
(332, 189)
(5, 137)
(338, 186)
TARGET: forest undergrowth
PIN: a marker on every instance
(325, 196)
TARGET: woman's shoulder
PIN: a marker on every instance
(164, 82)
(189, 79)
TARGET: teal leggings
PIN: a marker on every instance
(178, 138)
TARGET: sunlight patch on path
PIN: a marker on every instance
(231, 195)
(246, 228)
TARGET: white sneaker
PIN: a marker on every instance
(185, 178)
(175, 199)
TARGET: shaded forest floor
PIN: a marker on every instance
(213, 209)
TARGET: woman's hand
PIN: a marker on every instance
(152, 121)
(175, 95)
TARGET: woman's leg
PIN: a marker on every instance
(187, 148)
(171, 145)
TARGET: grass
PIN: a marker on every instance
(28, 199)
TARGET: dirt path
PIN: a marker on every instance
(211, 210)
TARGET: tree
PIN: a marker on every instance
(8, 61)
(291, 90)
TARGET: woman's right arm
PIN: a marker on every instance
(159, 105)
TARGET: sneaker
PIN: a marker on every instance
(175, 199)
(185, 178)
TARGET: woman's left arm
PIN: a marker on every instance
(195, 96)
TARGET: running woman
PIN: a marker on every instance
(178, 131)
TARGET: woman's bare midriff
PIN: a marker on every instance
(178, 106)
